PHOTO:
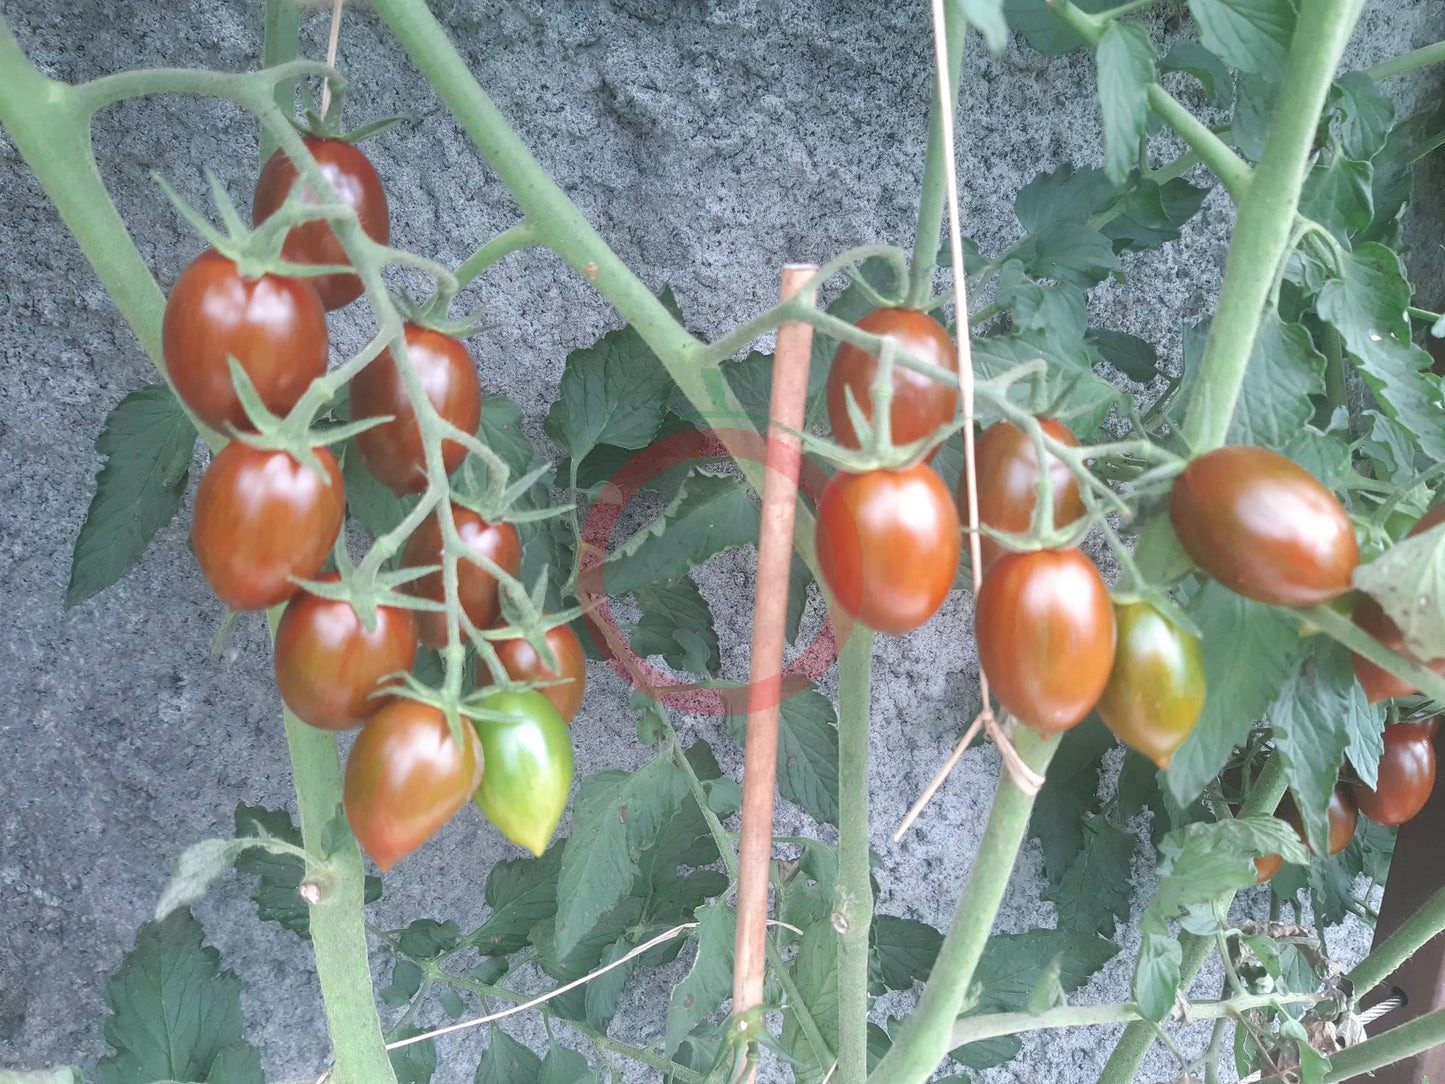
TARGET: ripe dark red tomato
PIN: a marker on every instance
(262, 517)
(522, 663)
(1008, 474)
(1262, 526)
(888, 545)
(1156, 688)
(1045, 631)
(328, 665)
(529, 768)
(1342, 814)
(476, 587)
(1406, 777)
(393, 450)
(920, 403)
(351, 174)
(1378, 683)
(273, 326)
(406, 777)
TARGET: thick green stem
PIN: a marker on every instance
(931, 200)
(1139, 1036)
(51, 128)
(1387, 69)
(1334, 369)
(928, 1035)
(338, 929)
(1381, 963)
(853, 911)
(1405, 1041)
(1266, 217)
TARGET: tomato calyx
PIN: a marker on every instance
(367, 589)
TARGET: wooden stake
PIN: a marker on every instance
(770, 612)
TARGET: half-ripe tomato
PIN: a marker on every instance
(406, 777)
(328, 665)
(393, 450)
(1156, 688)
(273, 326)
(1343, 816)
(260, 518)
(528, 768)
(888, 545)
(351, 174)
(476, 587)
(1406, 776)
(522, 663)
(1008, 478)
(1378, 683)
(1266, 866)
(1045, 631)
(920, 403)
(1264, 527)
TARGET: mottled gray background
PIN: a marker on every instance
(709, 141)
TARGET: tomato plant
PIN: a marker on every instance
(261, 518)
(406, 777)
(273, 326)
(1264, 527)
(476, 587)
(1045, 631)
(920, 403)
(1155, 690)
(393, 450)
(1342, 813)
(1379, 684)
(1406, 776)
(888, 545)
(1008, 478)
(351, 174)
(528, 767)
(328, 666)
(523, 663)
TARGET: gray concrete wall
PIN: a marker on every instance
(709, 141)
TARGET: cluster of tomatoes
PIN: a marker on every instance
(269, 511)
(1050, 640)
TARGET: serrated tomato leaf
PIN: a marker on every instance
(413, 1064)
(677, 624)
(1072, 792)
(564, 1066)
(903, 950)
(1213, 74)
(507, 1061)
(1284, 370)
(521, 893)
(1094, 892)
(1125, 62)
(175, 1015)
(710, 980)
(1251, 35)
(807, 753)
(148, 443)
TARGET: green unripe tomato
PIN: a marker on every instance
(527, 768)
(1156, 689)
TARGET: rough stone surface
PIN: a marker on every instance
(708, 141)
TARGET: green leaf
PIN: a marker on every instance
(986, 16)
(1367, 307)
(1044, 30)
(799, 577)
(1213, 74)
(1134, 357)
(1315, 716)
(1156, 975)
(197, 868)
(677, 624)
(751, 378)
(711, 978)
(1068, 252)
(1252, 649)
(1338, 194)
(1048, 993)
(507, 1061)
(617, 815)
(1075, 394)
(413, 1064)
(1254, 109)
(521, 893)
(173, 1012)
(1284, 370)
(564, 1066)
(602, 994)
(1072, 791)
(711, 513)
(148, 443)
(277, 894)
(807, 753)
(369, 502)
(1125, 60)
(501, 431)
(1094, 891)
(903, 951)
(615, 391)
(1251, 35)
(426, 938)
(406, 980)
(1065, 195)
(1365, 115)
(1153, 214)
(1039, 307)
(1408, 581)
(815, 974)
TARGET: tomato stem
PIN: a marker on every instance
(1382, 962)
(931, 198)
(1408, 62)
(1397, 1044)
(928, 1035)
(853, 911)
